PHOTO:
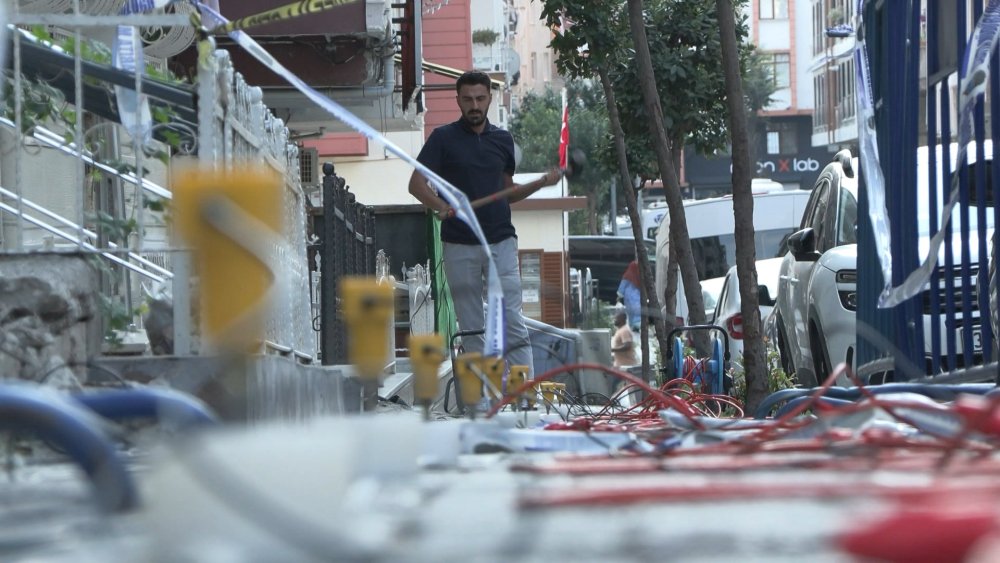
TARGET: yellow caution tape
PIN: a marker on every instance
(281, 13)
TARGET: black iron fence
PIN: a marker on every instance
(347, 248)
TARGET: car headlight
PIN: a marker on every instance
(849, 299)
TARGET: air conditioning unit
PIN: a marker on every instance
(309, 167)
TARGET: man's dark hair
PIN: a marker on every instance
(472, 78)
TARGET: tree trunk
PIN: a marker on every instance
(670, 290)
(676, 150)
(668, 174)
(650, 300)
(754, 360)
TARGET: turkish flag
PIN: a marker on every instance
(564, 133)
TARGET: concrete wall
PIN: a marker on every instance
(539, 230)
(262, 388)
(380, 178)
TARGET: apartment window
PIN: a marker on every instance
(845, 91)
(773, 9)
(547, 66)
(773, 142)
(780, 67)
(819, 28)
(819, 107)
(782, 138)
(534, 65)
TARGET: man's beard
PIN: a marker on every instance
(475, 118)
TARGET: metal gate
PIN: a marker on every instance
(916, 51)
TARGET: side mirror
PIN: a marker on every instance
(802, 245)
(764, 296)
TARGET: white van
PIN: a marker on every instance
(654, 210)
(711, 226)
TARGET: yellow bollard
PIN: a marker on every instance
(518, 376)
(548, 391)
(366, 306)
(493, 367)
(469, 385)
(426, 355)
(230, 219)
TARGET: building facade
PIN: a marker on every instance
(832, 73)
(530, 37)
(783, 137)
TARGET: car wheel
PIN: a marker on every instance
(821, 358)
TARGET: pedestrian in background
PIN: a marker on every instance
(629, 294)
(622, 343)
(477, 157)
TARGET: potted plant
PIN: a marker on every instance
(835, 16)
(485, 36)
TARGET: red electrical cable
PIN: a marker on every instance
(665, 399)
(620, 496)
(921, 535)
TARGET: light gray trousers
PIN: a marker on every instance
(466, 268)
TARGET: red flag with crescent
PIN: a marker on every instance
(564, 133)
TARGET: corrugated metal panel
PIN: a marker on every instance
(553, 289)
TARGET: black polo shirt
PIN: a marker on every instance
(477, 164)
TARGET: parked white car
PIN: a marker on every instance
(817, 282)
(711, 289)
(728, 312)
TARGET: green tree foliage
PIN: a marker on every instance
(536, 127)
(687, 54)
(687, 58)
(680, 45)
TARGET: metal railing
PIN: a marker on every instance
(71, 177)
(242, 130)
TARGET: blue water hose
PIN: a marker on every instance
(75, 430)
(791, 405)
(937, 392)
(168, 407)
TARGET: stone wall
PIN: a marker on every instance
(50, 322)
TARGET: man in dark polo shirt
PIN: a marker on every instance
(478, 158)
